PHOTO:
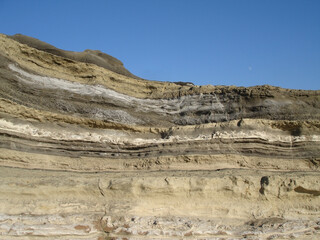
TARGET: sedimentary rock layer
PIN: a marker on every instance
(91, 152)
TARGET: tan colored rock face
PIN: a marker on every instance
(87, 153)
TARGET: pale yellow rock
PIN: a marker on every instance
(87, 153)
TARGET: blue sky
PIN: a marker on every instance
(238, 42)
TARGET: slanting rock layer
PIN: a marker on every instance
(90, 151)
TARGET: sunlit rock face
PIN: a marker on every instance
(90, 151)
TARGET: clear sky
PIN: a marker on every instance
(226, 42)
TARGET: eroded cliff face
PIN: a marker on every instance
(91, 152)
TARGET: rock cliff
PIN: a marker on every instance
(90, 151)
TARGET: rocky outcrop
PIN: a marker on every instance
(87, 56)
(90, 151)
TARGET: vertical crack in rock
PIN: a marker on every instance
(100, 189)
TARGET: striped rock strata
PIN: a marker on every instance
(90, 151)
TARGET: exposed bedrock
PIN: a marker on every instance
(88, 56)
(73, 97)
(90, 151)
(165, 204)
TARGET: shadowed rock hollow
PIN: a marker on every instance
(90, 151)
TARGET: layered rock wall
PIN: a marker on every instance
(88, 152)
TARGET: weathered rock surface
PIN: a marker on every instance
(89, 151)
